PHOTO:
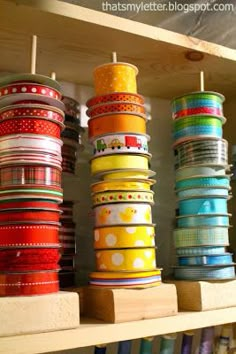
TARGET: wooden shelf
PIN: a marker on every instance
(73, 40)
(93, 332)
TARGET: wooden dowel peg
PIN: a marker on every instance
(114, 57)
(33, 54)
(53, 75)
(202, 88)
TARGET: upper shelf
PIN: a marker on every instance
(73, 40)
(89, 334)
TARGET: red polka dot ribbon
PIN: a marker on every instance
(29, 235)
(32, 110)
(32, 88)
(30, 126)
(20, 259)
(32, 283)
(22, 175)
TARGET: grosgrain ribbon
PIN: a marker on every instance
(116, 107)
(34, 283)
(29, 235)
(32, 88)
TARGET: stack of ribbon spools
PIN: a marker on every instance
(31, 120)
(71, 135)
(124, 236)
(68, 245)
(202, 188)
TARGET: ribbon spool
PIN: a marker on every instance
(200, 170)
(202, 152)
(29, 235)
(122, 196)
(120, 144)
(122, 123)
(203, 220)
(115, 77)
(204, 272)
(122, 185)
(116, 97)
(72, 107)
(142, 259)
(126, 279)
(20, 158)
(199, 206)
(200, 251)
(33, 175)
(32, 111)
(124, 237)
(26, 92)
(28, 205)
(29, 216)
(225, 258)
(30, 126)
(195, 103)
(122, 214)
(118, 162)
(197, 127)
(117, 108)
(200, 192)
(199, 182)
(26, 260)
(53, 194)
(33, 78)
(204, 236)
(133, 173)
(32, 143)
(30, 283)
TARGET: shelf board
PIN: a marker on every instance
(73, 40)
(93, 332)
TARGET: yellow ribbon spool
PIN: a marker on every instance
(126, 259)
(124, 237)
(128, 173)
(118, 162)
(115, 77)
(123, 196)
(121, 185)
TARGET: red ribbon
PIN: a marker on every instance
(32, 88)
(29, 235)
(35, 283)
(34, 215)
(32, 204)
(198, 110)
(30, 126)
(14, 260)
(39, 111)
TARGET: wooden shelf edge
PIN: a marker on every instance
(125, 25)
(92, 332)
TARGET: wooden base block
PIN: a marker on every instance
(40, 313)
(124, 305)
(205, 295)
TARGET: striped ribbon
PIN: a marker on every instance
(204, 272)
(196, 251)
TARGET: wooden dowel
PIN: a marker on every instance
(202, 88)
(114, 57)
(33, 54)
(53, 75)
